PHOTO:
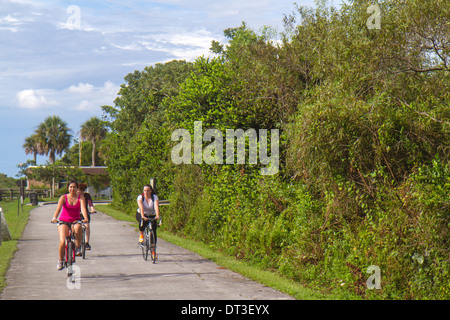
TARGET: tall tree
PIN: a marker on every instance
(137, 123)
(55, 137)
(93, 130)
(33, 145)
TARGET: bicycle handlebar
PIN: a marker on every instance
(150, 218)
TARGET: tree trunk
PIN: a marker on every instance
(79, 156)
(51, 159)
(93, 153)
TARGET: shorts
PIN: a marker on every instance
(69, 224)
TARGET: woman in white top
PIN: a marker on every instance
(148, 207)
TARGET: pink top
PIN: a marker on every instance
(70, 213)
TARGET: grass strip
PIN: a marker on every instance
(16, 224)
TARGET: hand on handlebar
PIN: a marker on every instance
(147, 218)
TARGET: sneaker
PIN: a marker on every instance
(88, 247)
(60, 265)
(78, 252)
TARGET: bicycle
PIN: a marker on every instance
(69, 251)
(149, 243)
(83, 237)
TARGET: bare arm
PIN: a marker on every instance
(83, 209)
(89, 202)
(157, 208)
(58, 209)
(141, 209)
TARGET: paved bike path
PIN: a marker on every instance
(114, 268)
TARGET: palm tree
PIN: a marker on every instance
(52, 137)
(33, 145)
(55, 136)
(93, 130)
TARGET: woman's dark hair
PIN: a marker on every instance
(151, 188)
(72, 181)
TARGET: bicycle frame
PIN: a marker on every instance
(147, 245)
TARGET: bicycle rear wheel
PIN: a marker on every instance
(153, 245)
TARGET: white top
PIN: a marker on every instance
(149, 207)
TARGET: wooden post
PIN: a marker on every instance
(153, 184)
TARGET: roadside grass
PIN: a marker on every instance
(16, 224)
(251, 271)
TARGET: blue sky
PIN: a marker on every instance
(68, 58)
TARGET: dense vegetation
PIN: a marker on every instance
(364, 121)
(7, 182)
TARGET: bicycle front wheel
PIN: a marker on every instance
(70, 257)
(145, 245)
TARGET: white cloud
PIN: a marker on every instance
(33, 99)
(200, 38)
(12, 23)
(109, 88)
(130, 47)
(80, 97)
(9, 19)
(98, 97)
(81, 88)
(12, 29)
(180, 43)
(83, 106)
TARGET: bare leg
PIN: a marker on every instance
(63, 232)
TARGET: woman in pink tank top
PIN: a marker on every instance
(70, 213)
(69, 205)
